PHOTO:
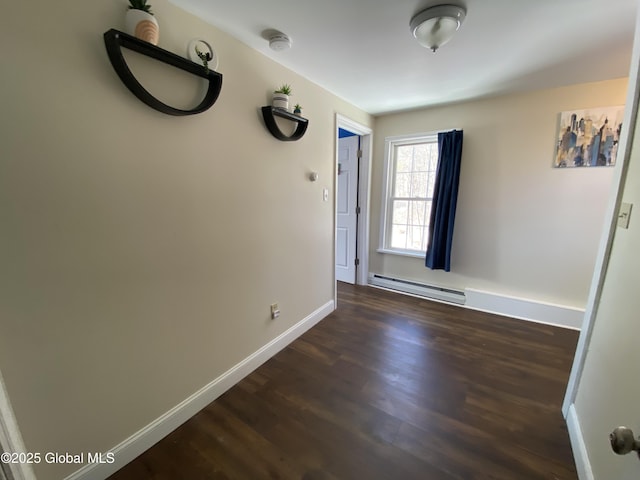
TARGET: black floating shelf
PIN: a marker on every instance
(269, 113)
(114, 40)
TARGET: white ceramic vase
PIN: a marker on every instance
(142, 25)
(281, 100)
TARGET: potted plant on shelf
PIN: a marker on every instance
(140, 22)
(281, 97)
(297, 109)
(205, 58)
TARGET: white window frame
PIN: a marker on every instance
(389, 145)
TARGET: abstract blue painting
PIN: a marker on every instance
(588, 138)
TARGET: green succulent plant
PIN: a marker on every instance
(284, 89)
(205, 58)
(140, 5)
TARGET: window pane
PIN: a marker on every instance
(403, 158)
(402, 185)
(419, 184)
(433, 157)
(431, 182)
(418, 214)
(427, 213)
(400, 212)
(414, 241)
(421, 158)
(399, 236)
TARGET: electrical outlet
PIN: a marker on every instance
(275, 311)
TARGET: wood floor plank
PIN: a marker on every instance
(387, 387)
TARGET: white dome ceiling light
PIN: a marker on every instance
(435, 26)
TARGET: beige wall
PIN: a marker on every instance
(140, 252)
(522, 228)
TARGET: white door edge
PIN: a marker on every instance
(11, 438)
(580, 455)
(606, 240)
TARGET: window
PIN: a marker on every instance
(410, 163)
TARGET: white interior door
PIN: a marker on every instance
(347, 202)
(608, 393)
(604, 386)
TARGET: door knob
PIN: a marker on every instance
(623, 441)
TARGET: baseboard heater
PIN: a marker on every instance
(419, 289)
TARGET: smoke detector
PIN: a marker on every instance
(279, 42)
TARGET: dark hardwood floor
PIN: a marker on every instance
(387, 387)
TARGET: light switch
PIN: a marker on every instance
(325, 194)
(624, 214)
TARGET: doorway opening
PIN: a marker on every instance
(352, 180)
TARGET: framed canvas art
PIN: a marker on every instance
(588, 138)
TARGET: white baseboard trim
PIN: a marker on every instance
(144, 439)
(525, 309)
(583, 466)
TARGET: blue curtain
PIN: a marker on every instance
(445, 199)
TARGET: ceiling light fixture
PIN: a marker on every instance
(435, 26)
(279, 42)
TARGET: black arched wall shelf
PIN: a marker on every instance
(114, 40)
(269, 113)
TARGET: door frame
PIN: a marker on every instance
(611, 219)
(11, 438)
(364, 194)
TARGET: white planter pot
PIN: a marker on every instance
(142, 25)
(280, 100)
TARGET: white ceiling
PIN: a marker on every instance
(363, 51)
